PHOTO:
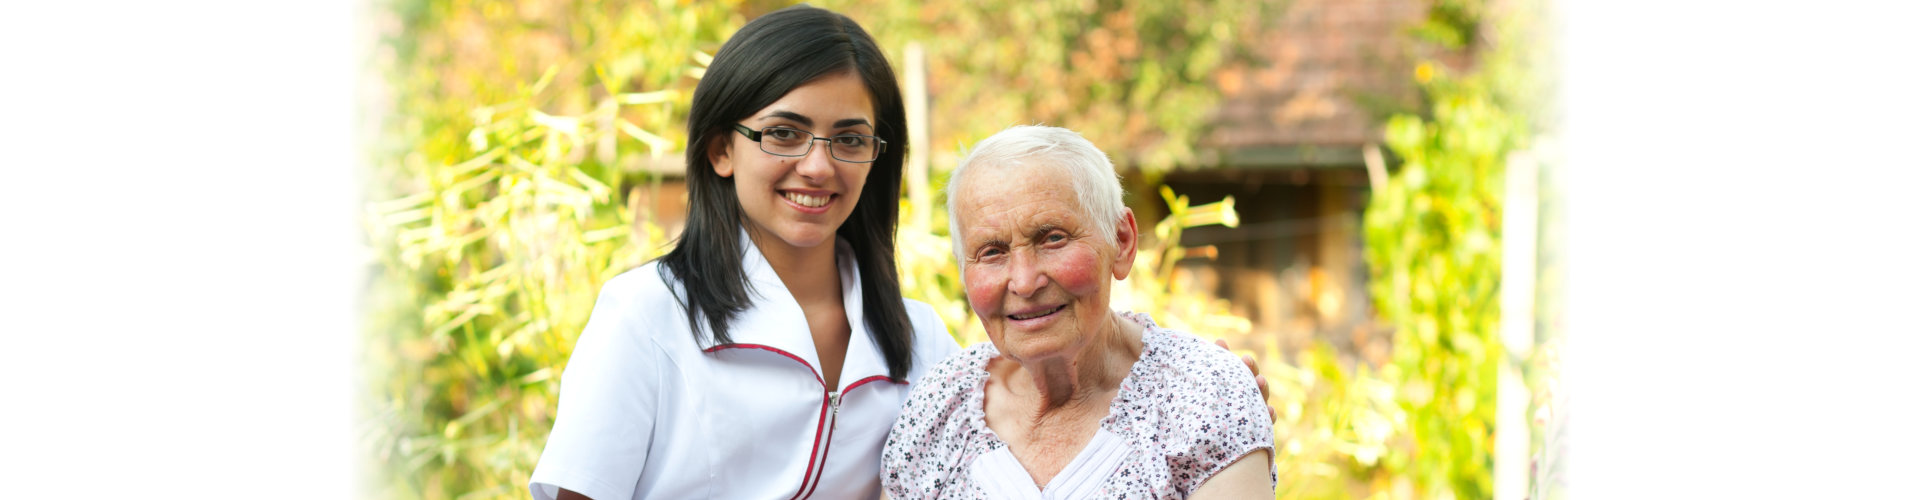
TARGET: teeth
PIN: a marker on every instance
(807, 201)
(1035, 315)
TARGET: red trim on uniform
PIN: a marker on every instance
(809, 482)
(823, 455)
(836, 424)
(817, 429)
(858, 383)
(810, 368)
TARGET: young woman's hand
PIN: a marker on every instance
(1258, 379)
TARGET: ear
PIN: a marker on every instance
(720, 155)
(1126, 240)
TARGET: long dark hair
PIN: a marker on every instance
(757, 66)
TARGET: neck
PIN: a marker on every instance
(1070, 382)
(810, 274)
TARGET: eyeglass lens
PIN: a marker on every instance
(794, 142)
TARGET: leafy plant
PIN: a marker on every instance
(1434, 243)
(508, 183)
(498, 262)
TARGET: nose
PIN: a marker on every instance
(817, 165)
(1027, 277)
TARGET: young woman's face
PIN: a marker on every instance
(798, 202)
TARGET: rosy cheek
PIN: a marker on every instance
(983, 287)
(1077, 270)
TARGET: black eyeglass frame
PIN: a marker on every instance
(754, 135)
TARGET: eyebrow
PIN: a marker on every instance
(989, 242)
(808, 122)
(1042, 230)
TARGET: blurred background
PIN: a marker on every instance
(1359, 194)
(221, 278)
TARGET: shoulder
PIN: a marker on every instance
(1208, 400)
(640, 287)
(611, 385)
(953, 376)
(634, 309)
(646, 293)
(927, 440)
(1197, 377)
(1188, 362)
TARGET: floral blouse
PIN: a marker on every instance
(1185, 411)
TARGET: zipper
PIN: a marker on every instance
(829, 417)
(818, 470)
(833, 422)
(822, 443)
(834, 399)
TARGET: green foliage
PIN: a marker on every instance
(1134, 76)
(1433, 239)
(503, 181)
(1152, 286)
(493, 260)
(1333, 424)
(1452, 24)
(929, 273)
(1434, 242)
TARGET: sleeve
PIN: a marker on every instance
(608, 400)
(1228, 419)
(923, 450)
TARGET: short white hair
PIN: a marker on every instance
(1089, 168)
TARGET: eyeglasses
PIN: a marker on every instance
(787, 141)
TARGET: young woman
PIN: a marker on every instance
(767, 354)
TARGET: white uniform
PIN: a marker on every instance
(648, 412)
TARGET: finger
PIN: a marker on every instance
(1222, 343)
(1248, 359)
(1260, 381)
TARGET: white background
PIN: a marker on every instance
(179, 256)
(177, 185)
(1744, 226)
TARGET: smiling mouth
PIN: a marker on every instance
(808, 201)
(1039, 314)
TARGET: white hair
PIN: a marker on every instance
(1092, 174)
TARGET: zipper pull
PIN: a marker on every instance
(835, 397)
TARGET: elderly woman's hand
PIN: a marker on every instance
(1258, 379)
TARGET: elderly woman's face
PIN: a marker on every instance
(1036, 273)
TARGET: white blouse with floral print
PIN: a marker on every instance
(1186, 410)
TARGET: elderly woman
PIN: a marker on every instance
(1070, 399)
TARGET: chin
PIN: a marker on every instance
(1029, 346)
(807, 237)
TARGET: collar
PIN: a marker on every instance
(776, 321)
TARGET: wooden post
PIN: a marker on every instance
(1519, 236)
(1376, 168)
(918, 197)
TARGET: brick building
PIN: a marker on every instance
(1292, 136)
